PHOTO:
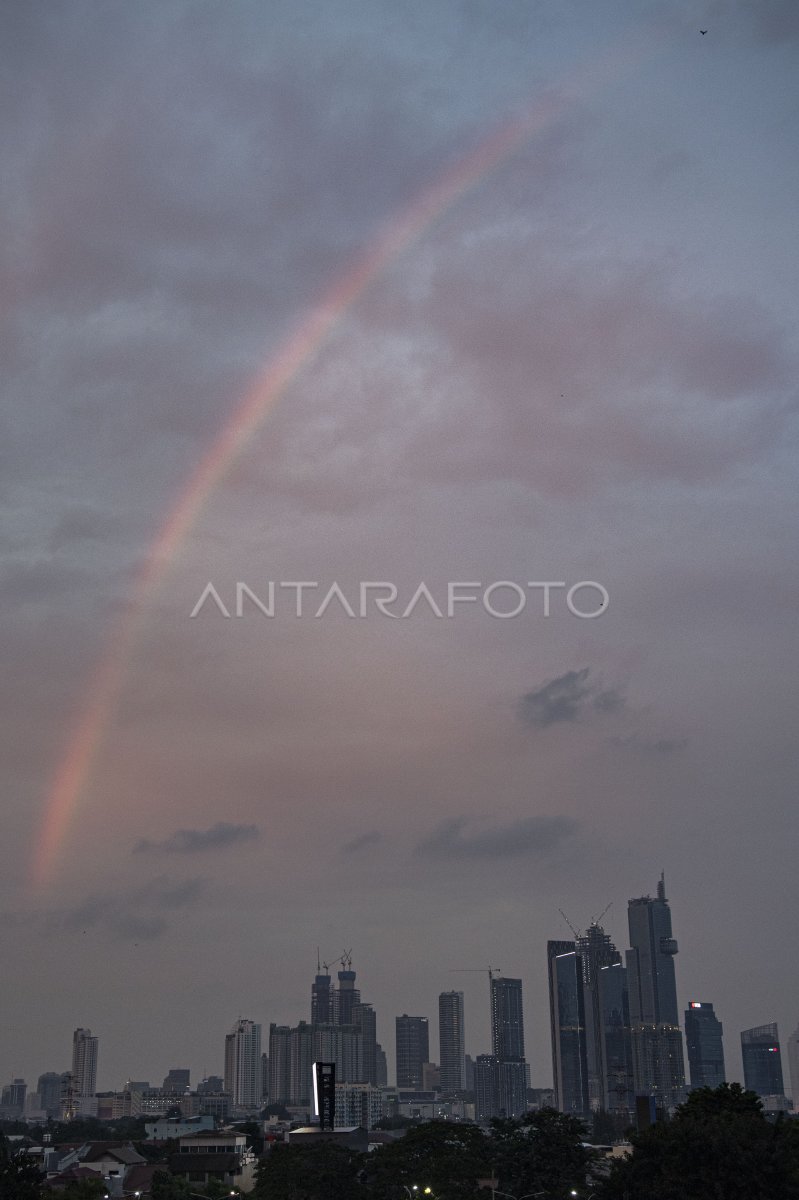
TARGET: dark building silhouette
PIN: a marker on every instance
(364, 1019)
(413, 1050)
(762, 1060)
(177, 1081)
(590, 1024)
(321, 999)
(346, 996)
(614, 1042)
(501, 1079)
(703, 1037)
(507, 1019)
(567, 1025)
(486, 1087)
(451, 1040)
(657, 1053)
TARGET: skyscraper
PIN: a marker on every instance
(321, 999)
(658, 1063)
(507, 1019)
(760, 1050)
(614, 1053)
(347, 995)
(507, 1045)
(49, 1088)
(567, 1025)
(279, 1063)
(451, 1041)
(703, 1037)
(590, 1024)
(413, 1050)
(365, 1020)
(793, 1066)
(84, 1062)
(243, 1064)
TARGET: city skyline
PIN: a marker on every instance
(588, 1002)
(490, 298)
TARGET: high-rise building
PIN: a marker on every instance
(413, 1049)
(606, 1004)
(12, 1101)
(657, 1053)
(507, 1019)
(322, 998)
(486, 1087)
(614, 1054)
(793, 1066)
(265, 1094)
(346, 996)
(567, 1025)
(49, 1088)
(279, 1063)
(365, 1020)
(84, 1062)
(590, 1024)
(177, 1081)
(703, 1037)
(381, 1066)
(243, 1064)
(502, 1077)
(451, 1041)
(760, 1050)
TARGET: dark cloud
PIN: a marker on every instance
(568, 698)
(136, 913)
(195, 841)
(362, 842)
(531, 835)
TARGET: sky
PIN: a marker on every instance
(481, 291)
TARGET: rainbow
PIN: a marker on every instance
(73, 770)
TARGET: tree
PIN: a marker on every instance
(542, 1152)
(84, 1189)
(20, 1177)
(447, 1157)
(254, 1132)
(718, 1146)
(168, 1187)
(310, 1172)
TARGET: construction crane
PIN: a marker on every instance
(492, 971)
(568, 922)
(596, 920)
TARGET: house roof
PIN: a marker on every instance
(124, 1154)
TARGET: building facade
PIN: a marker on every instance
(412, 1049)
(567, 1027)
(656, 1038)
(85, 1050)
(243, 1064)
(762, 1060)
(451, 1041)
(703, 1037)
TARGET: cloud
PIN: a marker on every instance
(568, 698)
(531, 835)
(662, 746)
(135, 914)
(362, 842)
(196, 841)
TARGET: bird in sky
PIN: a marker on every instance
(703, 32)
